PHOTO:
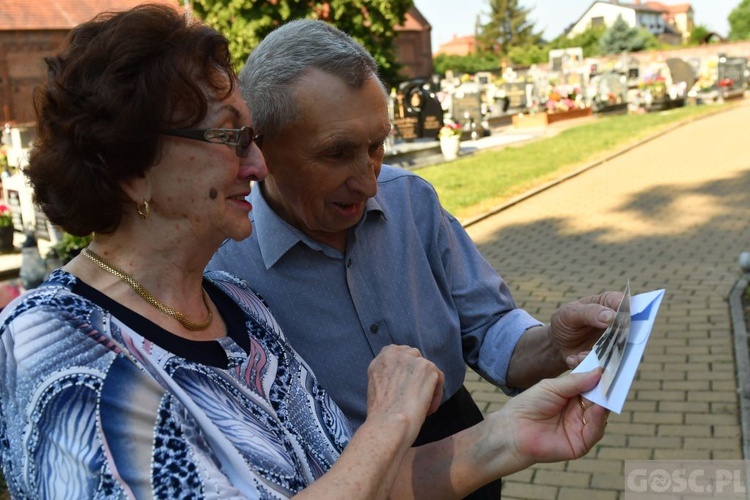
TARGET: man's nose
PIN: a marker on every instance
(253, 166)
(365, 177)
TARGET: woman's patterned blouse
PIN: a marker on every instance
(89, 408)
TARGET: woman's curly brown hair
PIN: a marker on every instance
(119, 80)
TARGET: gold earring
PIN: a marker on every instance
(143, 210)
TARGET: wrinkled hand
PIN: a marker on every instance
(576, 326)
(403, 384)
(548, 422)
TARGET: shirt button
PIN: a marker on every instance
(374, 328)
(349, 263)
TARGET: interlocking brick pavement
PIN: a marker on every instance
(672, 213)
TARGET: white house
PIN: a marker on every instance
(669, 23)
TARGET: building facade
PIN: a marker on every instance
(413, 44)
(28, 32)
(31, 30)
(669, 23)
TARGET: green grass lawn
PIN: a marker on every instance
(473, 185)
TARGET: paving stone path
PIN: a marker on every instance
(673, 213)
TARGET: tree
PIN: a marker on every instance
(466, 64)
(621, 37)
(590, 41)
(371, 22)
(739, 21)
(527, 55)
(698, 35)
(507, 27)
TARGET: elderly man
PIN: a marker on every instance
(353, 255)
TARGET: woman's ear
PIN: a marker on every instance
(138, 188)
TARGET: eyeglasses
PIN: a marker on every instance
(240, 138)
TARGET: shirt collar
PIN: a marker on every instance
(276, 236)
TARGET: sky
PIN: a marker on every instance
(458, 17)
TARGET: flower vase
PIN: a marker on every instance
(450, 146)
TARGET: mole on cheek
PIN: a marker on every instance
(212, 193)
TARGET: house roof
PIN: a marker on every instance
(643, 8)
(460, 40)
(59, 14)
(414, 21)
(680, 8)
(458, 44)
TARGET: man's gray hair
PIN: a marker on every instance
(271, 72)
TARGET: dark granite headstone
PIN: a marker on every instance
(431, 116)
(417, 112)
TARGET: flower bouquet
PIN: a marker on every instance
(655, 85)
(450, 140)
(6, 228)
(450, 129)
(561, 100)
(6, 220)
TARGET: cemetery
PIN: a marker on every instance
(569, 86)
(436, 115)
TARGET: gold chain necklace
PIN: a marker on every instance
(146, 295)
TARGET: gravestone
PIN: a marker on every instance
(515, 97)
(681, 71)
(467, 107)
(42, 229)
(416, 112)
(731, 73)
(14, 203)
(611, 92)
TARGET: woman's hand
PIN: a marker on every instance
(403, 389)
(546, 423)
(551, 422)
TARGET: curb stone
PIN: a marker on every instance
(742, 358)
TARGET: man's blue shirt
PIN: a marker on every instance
(410, 275)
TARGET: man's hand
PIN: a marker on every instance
(576, 326)
(403, 386)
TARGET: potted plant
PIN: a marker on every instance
(68, 247)
(6, 228)
(450, 140)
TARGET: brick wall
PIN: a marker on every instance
(730, 49)
(414, 53)
(22, 68)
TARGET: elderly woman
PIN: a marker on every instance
(130, 373)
